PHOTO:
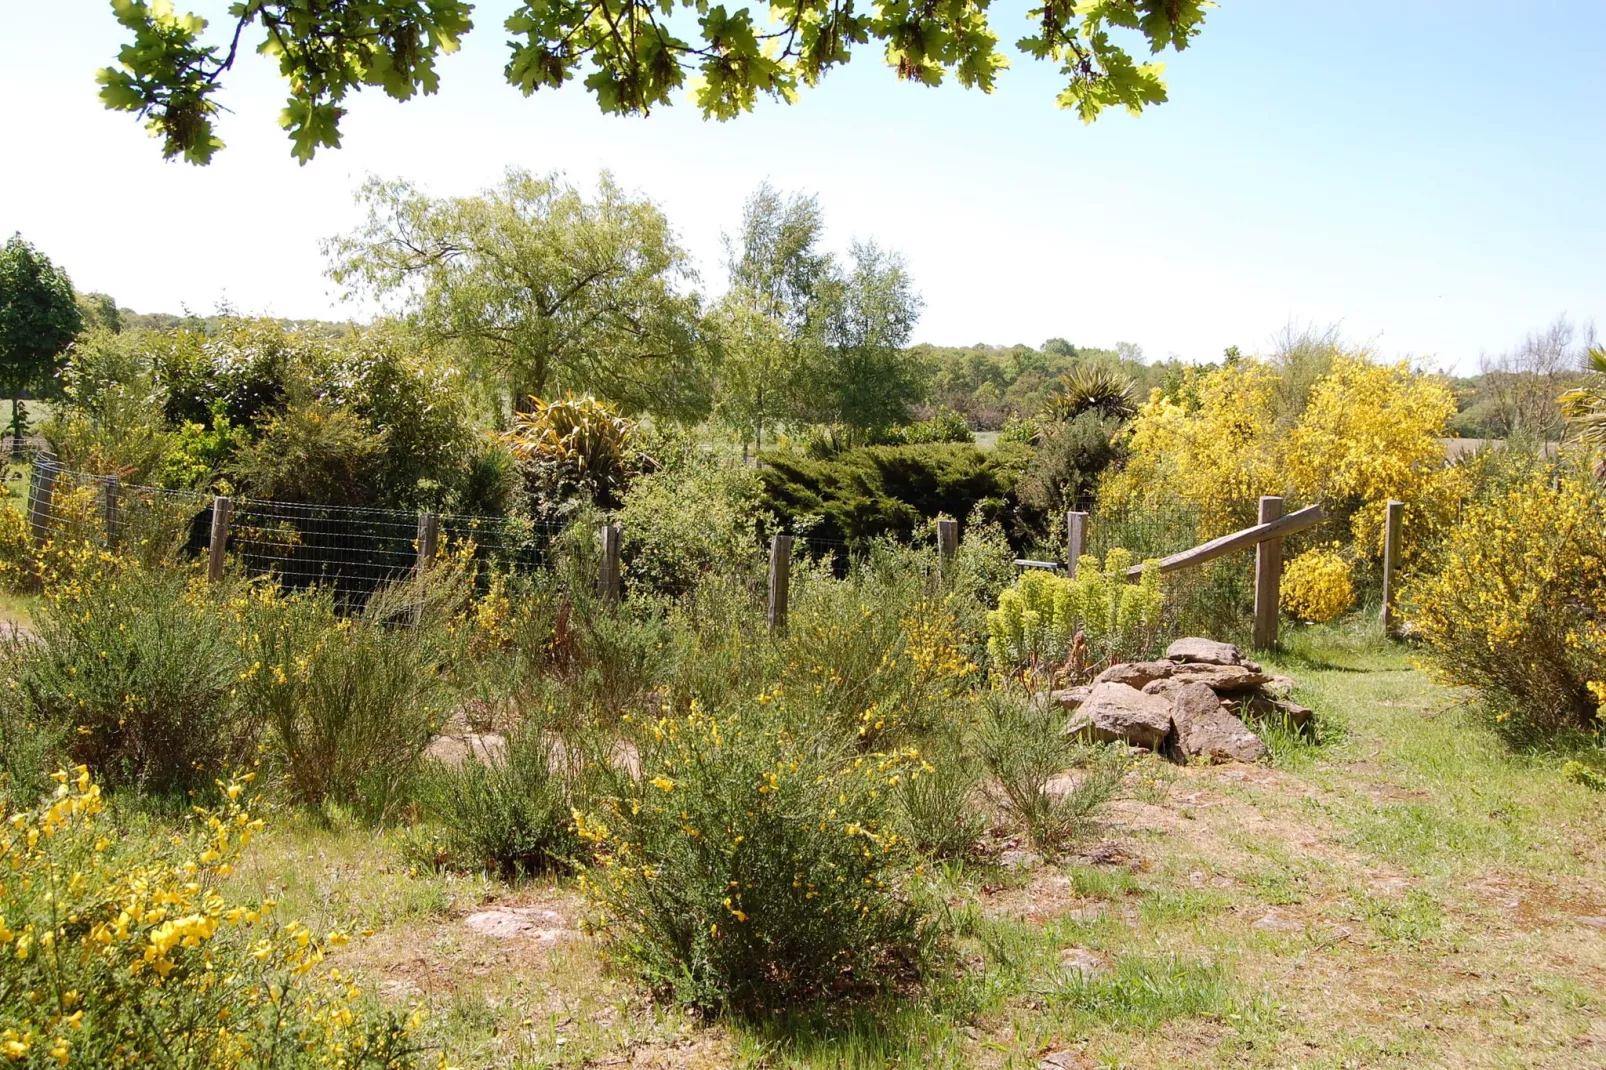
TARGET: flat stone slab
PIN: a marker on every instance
(528, 923)
(1116, 712)
(1204, 652)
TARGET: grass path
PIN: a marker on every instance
(1402, 892)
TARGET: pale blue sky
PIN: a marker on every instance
(1428, 174)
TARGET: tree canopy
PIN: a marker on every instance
(540, 286)
(633, 55)
(39, 317)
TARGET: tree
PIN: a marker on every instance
(545, 289)
(861, 375)
(776, 270)
(634, 54)
(39, 318)
(1519, 388)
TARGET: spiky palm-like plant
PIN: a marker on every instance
(1585, 409)
(574, 444)
(1092, 387)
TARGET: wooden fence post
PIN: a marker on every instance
(1393, 519)
(1075, 541)
(429, 534)
(947, 541)
(39, 500)
(108, 509)
(222, 513)
(1268, 576)
(780, 581)
(608, 576)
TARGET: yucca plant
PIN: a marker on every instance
(574, 446)
(1092, 388)
(1585, 409)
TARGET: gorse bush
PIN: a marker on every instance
(510, 813)
(752, 868)
(1094, 619)
(123, 950)
(1516, 606)
(1025, 747)
(138, 668)
(1316, 586)
(347, 703)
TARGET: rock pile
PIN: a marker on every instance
(1186, 706)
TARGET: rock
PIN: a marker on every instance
(1278, 687)
(488, 748)
(1118, 712)
(1272, 709)
(506, 923)
(1229, 679)
(1081, 963)
(1592, 922)
(1070, 698)
(1065, 1060)
(1275, 921)
(1018, 858)
(1204, 729)
(1205, 652)
(1135, 674)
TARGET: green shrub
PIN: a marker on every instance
(940, 813)
(944, 425)
(1025, 747)
(510, 813)
(689, 519)
(752, 868)
(348, 703)
(141, 668)
(860, 494)
(1070, 458)
(1094, 619)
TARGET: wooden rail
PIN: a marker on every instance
(1299, 520)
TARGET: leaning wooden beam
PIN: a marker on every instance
(1304, 518)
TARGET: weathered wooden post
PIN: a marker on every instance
(1393, 519)
(110, 491)
(222, 513)
(429, 537)
(1268, 576)
(947, 541)
(39, 500)
(1075, 541)
(608, 574)
(780, 581)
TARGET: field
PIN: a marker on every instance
(1403, 891)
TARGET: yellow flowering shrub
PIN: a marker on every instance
(1095, 619)
(122, 950)
(751, 867)
(1370, 432)
(1367, 432)
(1316, 586)
(14, 558)
(1517, 605)
(1220, 455)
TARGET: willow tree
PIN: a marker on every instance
(544, 288)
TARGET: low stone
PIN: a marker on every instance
(1230, 679)
(1275, 921)
(1082, 963)
(1065, 1060)
(1272, 709)
(1205, 652)
(1204, 728)
(507, 923)
(1070, 698)
(486, 748)
(1278, 687)
(1136, 674)
(1116, 712)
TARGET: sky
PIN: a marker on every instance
(1428, 175)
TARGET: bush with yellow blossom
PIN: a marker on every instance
(1316, 585)
(122, 950)
(753, 866)
(1517, 607)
